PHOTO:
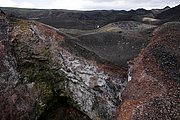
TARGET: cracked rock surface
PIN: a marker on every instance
(38, 74)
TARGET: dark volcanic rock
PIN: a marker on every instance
(3, 25)
(17, 100)
(153, 89)
(158, 11)
(72, 19)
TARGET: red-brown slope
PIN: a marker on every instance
(153, 92)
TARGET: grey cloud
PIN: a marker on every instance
(93, 4)
(129, 4)
(102, 0)
(138, 1)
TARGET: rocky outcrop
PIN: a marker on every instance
(3, 25)
(40, 76)
(153, 89)
(17, 100)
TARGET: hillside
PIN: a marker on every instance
(172, 14)
(89, 65)
(116, 42)
(85, 20)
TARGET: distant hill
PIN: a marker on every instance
(69, 18)
(172, 14)
(72, 19)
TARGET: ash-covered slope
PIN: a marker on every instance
(115, 43)
(153, 89)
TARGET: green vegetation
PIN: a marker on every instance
(38, 68)
(46, 80)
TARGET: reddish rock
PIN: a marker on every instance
(153, 92)
(17, 100)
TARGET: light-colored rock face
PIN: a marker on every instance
(40, 66)
(96, 92)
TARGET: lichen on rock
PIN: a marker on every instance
(60, 79)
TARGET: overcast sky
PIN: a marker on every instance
(89, 4)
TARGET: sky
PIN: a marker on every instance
(89, 4)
